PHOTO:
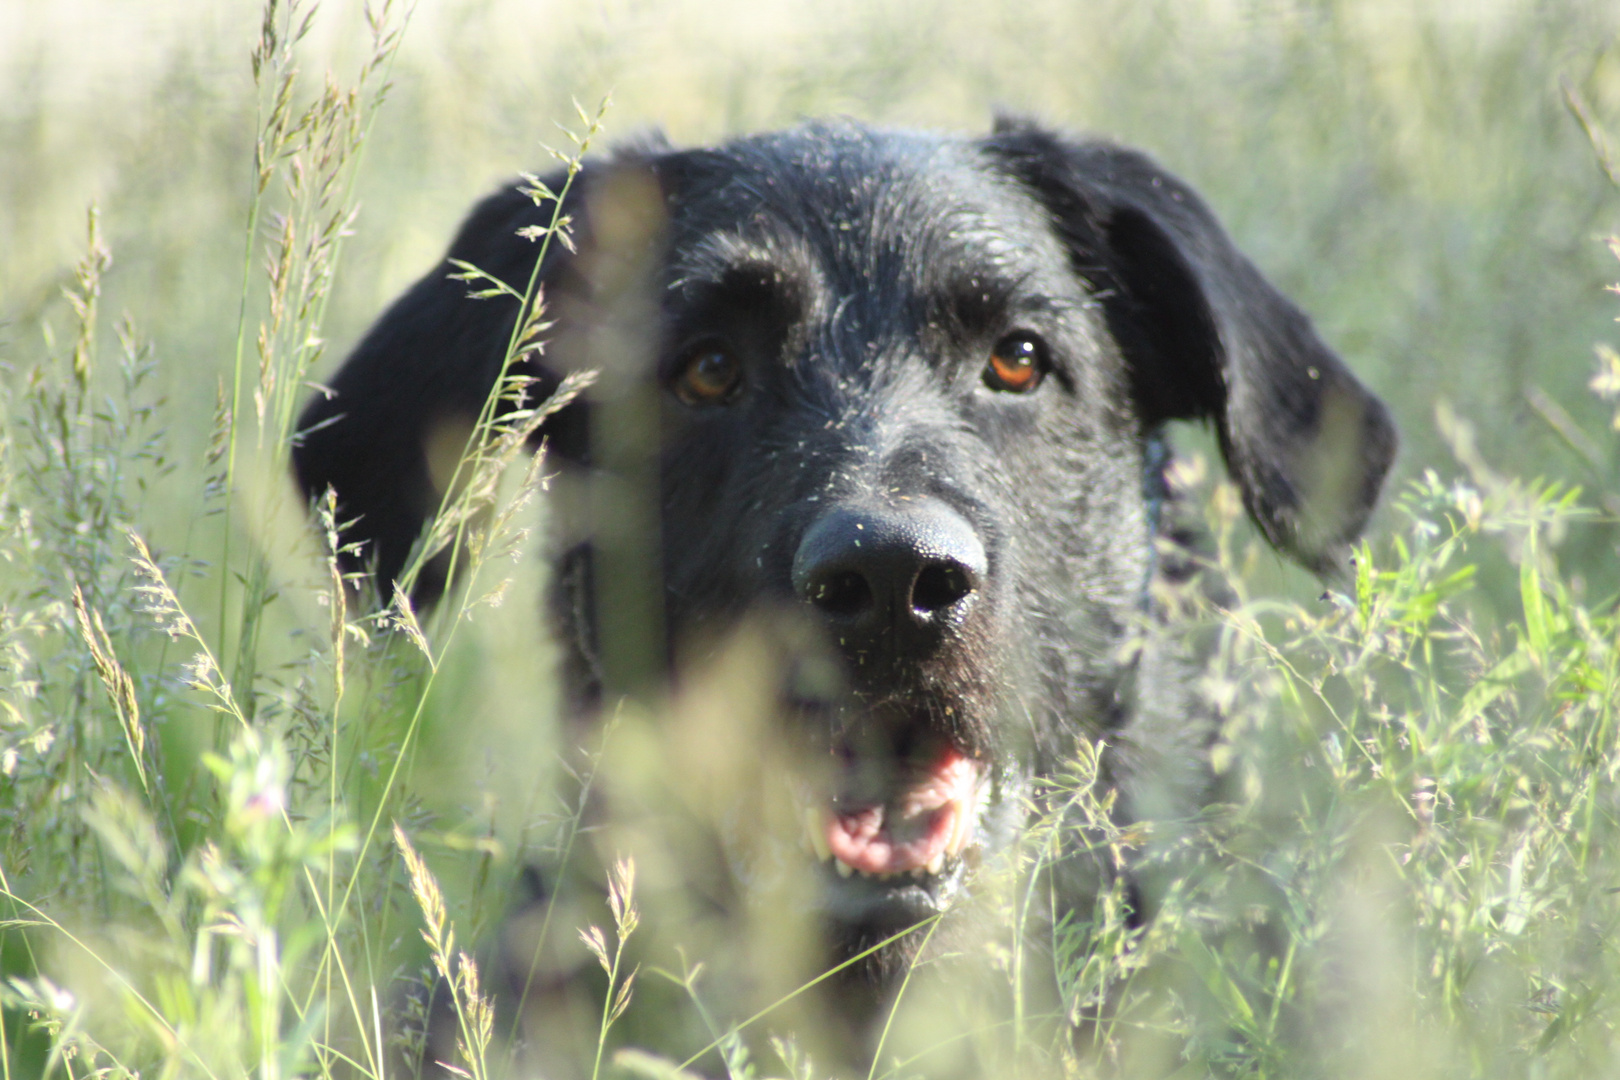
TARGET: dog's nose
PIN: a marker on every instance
(914, 571)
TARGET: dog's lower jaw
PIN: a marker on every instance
(875, 928)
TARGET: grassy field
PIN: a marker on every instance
(205, 749)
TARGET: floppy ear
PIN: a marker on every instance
(1206, 337)
(388, 431)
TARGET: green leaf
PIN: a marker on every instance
(1537, 623)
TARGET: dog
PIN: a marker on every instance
(913, 388)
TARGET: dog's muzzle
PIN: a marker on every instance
(894, 585)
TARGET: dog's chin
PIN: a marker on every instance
(898, 903)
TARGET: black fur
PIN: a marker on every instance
(861, 279)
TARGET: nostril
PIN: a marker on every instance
(940, 585)
(845, 594)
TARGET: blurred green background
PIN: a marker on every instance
(1412, 174)
(1409, 172)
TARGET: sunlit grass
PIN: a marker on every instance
(233, 794)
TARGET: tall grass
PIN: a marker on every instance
(248, 815)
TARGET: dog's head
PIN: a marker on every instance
(908, 385)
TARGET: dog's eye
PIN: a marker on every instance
(711, 375)
(1017, 364)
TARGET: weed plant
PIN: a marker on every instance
(249, 826)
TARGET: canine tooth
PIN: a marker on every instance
(816, 834)
(959, 828)
(843, 868)
(918, 872)
(936, 864)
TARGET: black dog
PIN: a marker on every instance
(915, 385)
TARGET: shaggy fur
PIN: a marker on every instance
(850, 292)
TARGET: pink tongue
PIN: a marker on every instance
(913, 828)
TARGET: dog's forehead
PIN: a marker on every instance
(845, 203)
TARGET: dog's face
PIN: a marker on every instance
(909, 386)
(889, 396)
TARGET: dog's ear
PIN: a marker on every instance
(387, 431)
(1205, 336)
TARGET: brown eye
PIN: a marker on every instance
(710, 376)
(1016, 364)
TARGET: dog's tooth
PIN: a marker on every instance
(918, 872)
(959, 828)
(816, 834)
(936, 864)
(844, 869)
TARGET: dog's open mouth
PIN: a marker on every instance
(901, 822)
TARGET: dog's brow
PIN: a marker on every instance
(728, 261)
(978, 302)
